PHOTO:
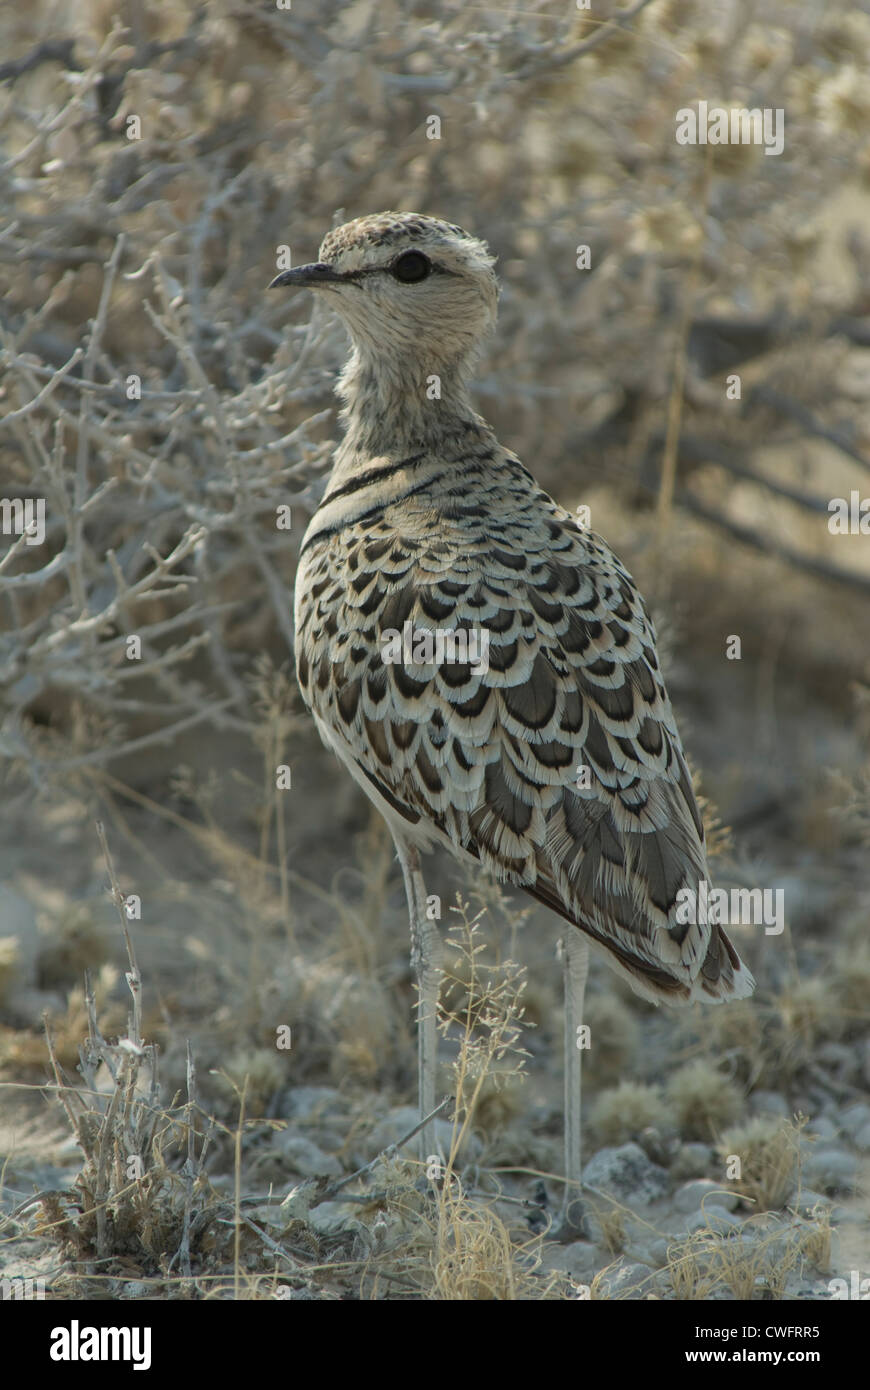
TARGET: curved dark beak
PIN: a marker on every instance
(309, 276)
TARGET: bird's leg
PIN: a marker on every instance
(425, 962)
(575, 966)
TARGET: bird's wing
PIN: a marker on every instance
(556, 761)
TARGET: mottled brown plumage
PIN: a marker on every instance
(428, 520)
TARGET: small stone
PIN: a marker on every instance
(627, 1174)
(579, 1260)
(333, 1219)
(769, 1103)
(833, 1056)
(624, 1280)
(643, 1248)
(306, 1157)
(311, 1103)
(831, 1170)
(693, 1161)
(715, 1219)
(823, 1128)
(271, 1217)
(808, 1200)
(855, 1119)
(690, 1196)
(658, 1252)
(861, 1140)
(658, 1148)
(798, 1286)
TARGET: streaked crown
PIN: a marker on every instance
(376, 240)
(410, 288)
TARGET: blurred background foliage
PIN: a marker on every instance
(257, 128)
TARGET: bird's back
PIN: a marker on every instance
(552, 758)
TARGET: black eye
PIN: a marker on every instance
(411, 267)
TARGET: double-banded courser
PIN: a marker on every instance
(538, 740)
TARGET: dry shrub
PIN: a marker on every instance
(751, 1263)
(768, 1150)
(703, 1099)
(622, 1112)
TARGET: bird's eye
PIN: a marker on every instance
(411, 267)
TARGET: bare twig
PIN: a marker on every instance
(554, 61)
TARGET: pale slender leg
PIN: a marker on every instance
(574, 950)
(425, 962)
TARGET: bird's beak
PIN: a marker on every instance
(307, 275)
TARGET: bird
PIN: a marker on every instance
(538, 743)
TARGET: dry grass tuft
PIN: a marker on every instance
(483, 1003)
(751, 1263)
(768, 1150)
(611, 1220)
(474, 1256)
(703, 1099)
(622, 1112)
(817, 1238)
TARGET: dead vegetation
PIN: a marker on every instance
(178, 426)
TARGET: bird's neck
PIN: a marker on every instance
(399, 404)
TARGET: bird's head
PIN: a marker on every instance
(409, 288)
